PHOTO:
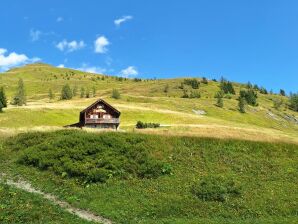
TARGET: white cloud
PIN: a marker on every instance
(61, 66)
(92, 69)
(70, 46)
(59, 19)
(35, 35)
(129, 71)
(121, 20)
(100, 45)
(13, 59)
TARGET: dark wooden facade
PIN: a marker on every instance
(100, 114)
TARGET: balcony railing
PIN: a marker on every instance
(102, 121)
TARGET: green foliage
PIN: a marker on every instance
(82, 95)
(216, 188)
(249, 85)
(87, 93)
(89, 157)
(20, 96)
(194, 83)
(3, 98)
(51, 94)
(227, 86)
(250, 96)
(266, 173)
(66, 92)
(93, 91)
(277, 103)
(1, 107)
(282, 92)
(192, 94)
(166, 89)
(204, 80)
(75, 91)
(219, 96)
(142, 125)
(263, 90)
(18, 206)
(241, 104)
(116, 94)
(293, 102)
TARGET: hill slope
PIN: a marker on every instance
(144, 100)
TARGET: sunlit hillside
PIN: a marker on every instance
(157, 101)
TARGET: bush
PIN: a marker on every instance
(142, 125)
(3, 99)
(227, 87)
(219, 95)
(241, 104)
(293, 102)
(89, 157)
(116, 94)
(282, 92)
(250, 96)
(195, 84)
(216, 188)
(20, 97)
(204, 80)
(66, 92)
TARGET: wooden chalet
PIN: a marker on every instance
(100, 114)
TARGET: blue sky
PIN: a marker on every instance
(243, 41)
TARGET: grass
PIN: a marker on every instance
(145, 101)
(17, 206)
(266, 174)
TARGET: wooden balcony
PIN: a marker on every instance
(102, 121)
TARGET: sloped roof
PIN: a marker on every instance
(104, 102)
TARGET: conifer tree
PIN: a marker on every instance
(66, 93)
(82, 92)
(51, 94)
(20, 97)
(241, 104)
(3, 99)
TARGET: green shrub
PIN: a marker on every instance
(89, 157)
(250, 96)
(216, 188)
(227, 86)
(195, 84)
(66, 92)
(142, 125)
(116, 94)
(294, 102)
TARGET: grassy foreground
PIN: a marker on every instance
(17, 206)
(210, 180)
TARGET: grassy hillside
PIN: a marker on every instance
(207, 180)
(17, 206)
(144, 100)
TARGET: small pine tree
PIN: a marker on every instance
(75, 91)
(115, 94)
(241, 104)
(66, 93)
(87, 93)
(282, 92)
(277, 103)
(93, 91)
(20, 97)
(82, 92)
(51, 94)
(3, 99)
(204, 80)
(219, 95)
(1, 107)
(294, 102)
(166, 89)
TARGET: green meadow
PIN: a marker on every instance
(204, 164)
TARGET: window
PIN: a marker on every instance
(106, 116)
